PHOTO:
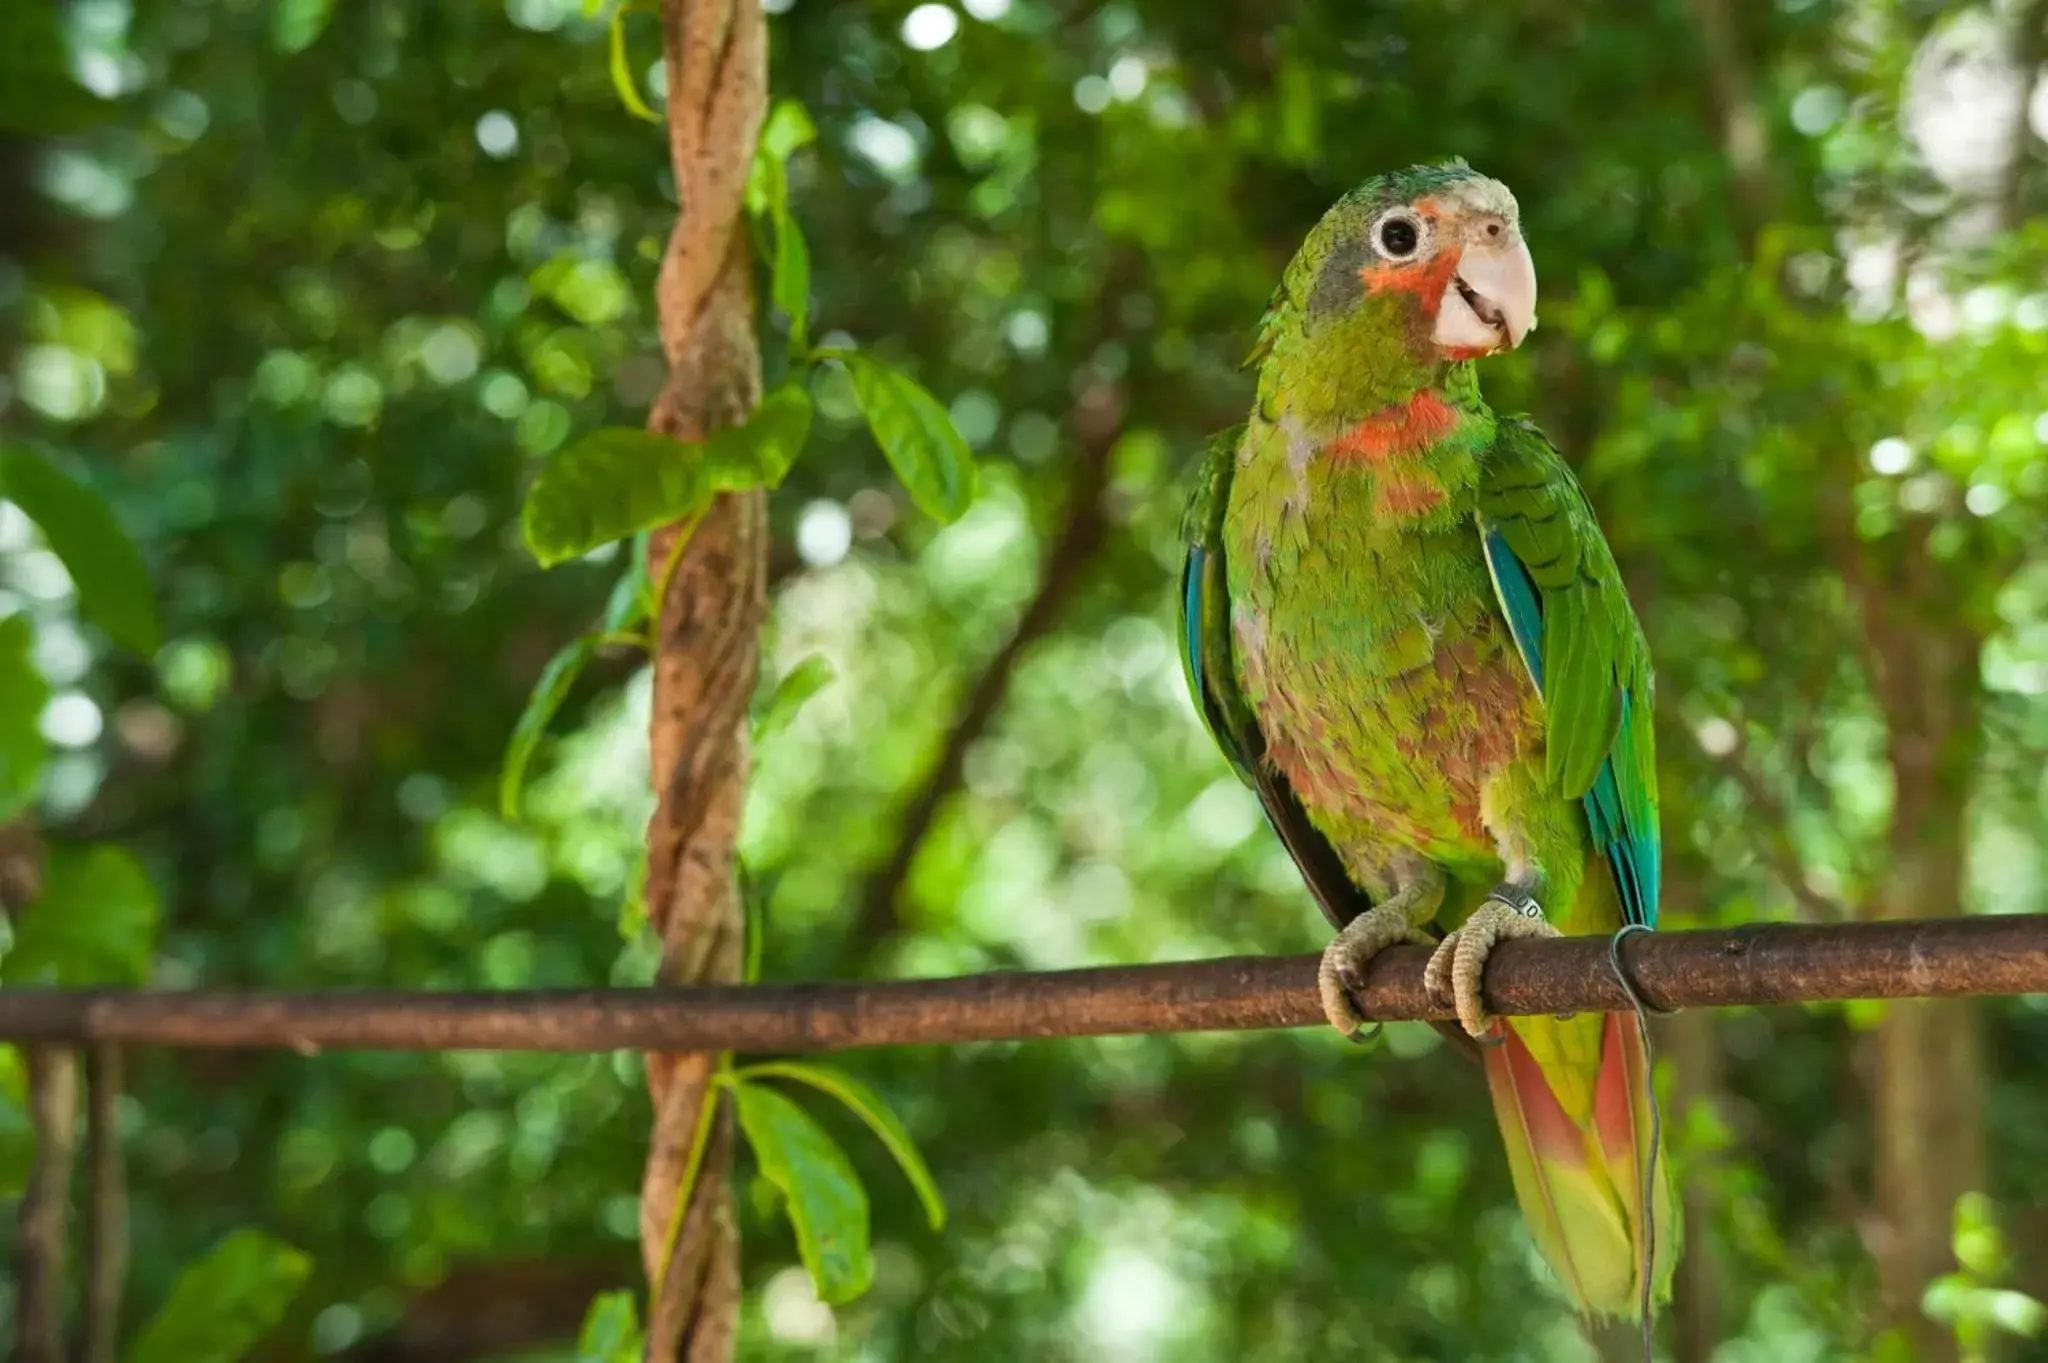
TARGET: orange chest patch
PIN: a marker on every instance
(1403, 429)
(1398, 496)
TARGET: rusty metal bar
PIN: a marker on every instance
(1774, 963)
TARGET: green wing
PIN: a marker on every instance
(1205, 607)
(1279, 313)
(1212, 678)
(1569, 612)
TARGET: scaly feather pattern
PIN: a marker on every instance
(1211, 675)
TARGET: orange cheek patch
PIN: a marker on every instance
(1404, 428)
(1425, 280)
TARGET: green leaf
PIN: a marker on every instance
(827, 1205)
(643, 549)
(611, 1330)
(114, 590)
(622, 69)
(616, 482)
(915, 434)
(296, 25)
(791, 285)
(221, 1307)
(94, 923)
(760, 453)
(753, 904)
(787, 130)
(869, 1107)
(23, 694)
(548, 694)
(608, 485)
(628, 603)
(17, 1132)
(633, 903)
(797, 686)
(1978, 1243)
(767, 184)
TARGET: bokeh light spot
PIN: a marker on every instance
(1891, 455)
(929, 27)
(72, 720)
(824, 532)
(497, 134)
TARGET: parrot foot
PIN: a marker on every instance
(1342, 974)
(1455, 972)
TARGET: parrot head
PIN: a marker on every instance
(1429, 260)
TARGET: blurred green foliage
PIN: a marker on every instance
(224, 1304)
(310, 293)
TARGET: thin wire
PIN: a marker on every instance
(1649, 1167)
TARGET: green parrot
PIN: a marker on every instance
(1404, 628)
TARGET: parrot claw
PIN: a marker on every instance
(1455, 972)
(1340, 978)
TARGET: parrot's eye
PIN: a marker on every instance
(1399, 234)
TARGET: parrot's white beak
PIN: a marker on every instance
(1490, 303)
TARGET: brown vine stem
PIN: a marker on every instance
(1773, 963)
(711, 576)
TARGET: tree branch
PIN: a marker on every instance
(1765, 963)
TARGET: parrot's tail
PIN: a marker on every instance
(1579, 1151)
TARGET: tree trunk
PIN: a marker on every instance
(1692, 1042)
(704, 665)
(106, 1261)
(1930, 1151)
(1926, 1058)
(1926, 1110)
(43, 1237)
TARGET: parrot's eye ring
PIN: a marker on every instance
(1399, 234)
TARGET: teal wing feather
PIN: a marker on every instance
(1206, 655)
(1205, 607)
(1571, 619)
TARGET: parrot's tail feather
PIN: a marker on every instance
(1577, 1151)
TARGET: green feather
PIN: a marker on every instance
(1211, 668)
(1595, 664)
(1205, 609)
